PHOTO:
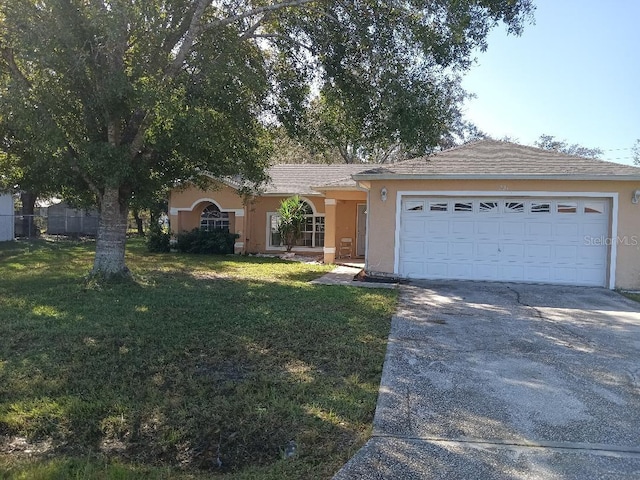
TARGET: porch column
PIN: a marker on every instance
(239, 225)
(174, 221)
(330, 205)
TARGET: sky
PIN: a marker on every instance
(574, 74)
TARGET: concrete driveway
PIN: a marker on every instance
(507, 381)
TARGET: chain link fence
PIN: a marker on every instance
(68, 225)
(32, 226)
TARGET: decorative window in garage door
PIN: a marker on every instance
(594, 207)
(463, 207)
(567, 207)
(488, 207)
(538, 207)
(414, 205)
(514, 207)
(438, 206)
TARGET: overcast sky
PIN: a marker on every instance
(575, 74)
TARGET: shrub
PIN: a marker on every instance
(157, 240)
(216, 241)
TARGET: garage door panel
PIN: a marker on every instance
(414, 228)
(487, 227)
(591, 276)
(511, 272)
(538, 251)
(539, 273)
(566, 252)
(460, 270)
(485, 271)
(486, 250)
(513, 228)
(462, 249)
(435, 227)
(511, 250)
(568, 274)
(436, 270)
(437, 249)
(413, 269)
(462, 227)
(413, 248)
(542, 240)
(566, 230)
(539, 229)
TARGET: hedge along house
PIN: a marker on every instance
(336, 210)
(488, 210)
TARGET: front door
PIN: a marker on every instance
(361, 237)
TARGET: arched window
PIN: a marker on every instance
(212, 218)
(312, 231)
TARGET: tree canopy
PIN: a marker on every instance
(114, 99)
(549, 142)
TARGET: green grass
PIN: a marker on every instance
(632, 296)
(202, 358)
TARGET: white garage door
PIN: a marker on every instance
(554, 240)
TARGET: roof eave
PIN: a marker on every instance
(324, 188)
(290, 194)
(465, 176)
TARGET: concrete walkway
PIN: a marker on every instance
(505, 381)
(344, 275)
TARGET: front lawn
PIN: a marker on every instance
(228, 366)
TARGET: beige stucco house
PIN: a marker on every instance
(488, 210)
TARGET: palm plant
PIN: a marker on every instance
(292, 214)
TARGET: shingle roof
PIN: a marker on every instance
(481, 159)
(303, 179)
(492, 158)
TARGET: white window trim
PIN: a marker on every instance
(502, 194)
(238, 212)
(268, 245)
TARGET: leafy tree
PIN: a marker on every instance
(635, 151)
(291, 150)
(407, 117)
(292, 215)
(549, 142)
(126, 97)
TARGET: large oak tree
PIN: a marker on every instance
(121, 97)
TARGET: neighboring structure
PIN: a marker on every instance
(63, 219)
(6, 217)
(488, 210)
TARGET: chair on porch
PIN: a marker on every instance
(346, 247)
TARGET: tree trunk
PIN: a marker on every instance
(139, 225)
(28, 200)
(112, 235)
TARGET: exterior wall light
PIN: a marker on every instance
(383, 194)
(636, 197)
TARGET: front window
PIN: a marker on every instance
(213, 219)
(312, 231)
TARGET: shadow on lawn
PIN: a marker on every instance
(191, 372)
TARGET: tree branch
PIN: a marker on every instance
(195, 28)
(257, 11)
(251, 31)
(282, 37)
